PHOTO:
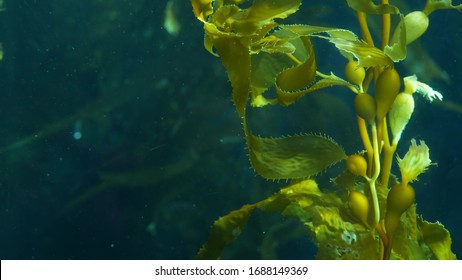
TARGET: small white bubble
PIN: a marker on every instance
(77, 135)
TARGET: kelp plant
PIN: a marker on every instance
(372, 214)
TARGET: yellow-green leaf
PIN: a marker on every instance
(263, 12)
(310, 30)
(299, 156)
(346, 42)
(265, 68)
(223, 17)
(433, 5)
(438, 239)
(300, 76)
(367, 55)
(202, 9)
(272, 44)
(236, 59)
(397, 50)
(225, 230)
(287, 98)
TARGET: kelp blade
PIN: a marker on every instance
(262, 13)
(300, 76)
(438, 239)
(346, 42)
(397, 50)
(236, 59)
(293, 157)
(301, 201)
(336, 235)
(225, 230)
(202, 9)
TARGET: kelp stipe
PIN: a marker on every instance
(374, 216)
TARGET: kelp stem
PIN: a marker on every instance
(293, 58)
(387, 162)
(367, 143)
(387, 253)
(383, 236)
(385, 27)
(372, 181)
(364, 28)
(388, 152)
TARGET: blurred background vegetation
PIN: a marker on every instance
(119, 139)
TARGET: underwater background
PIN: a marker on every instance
(119, 139)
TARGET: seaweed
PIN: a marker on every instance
(370, 214)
